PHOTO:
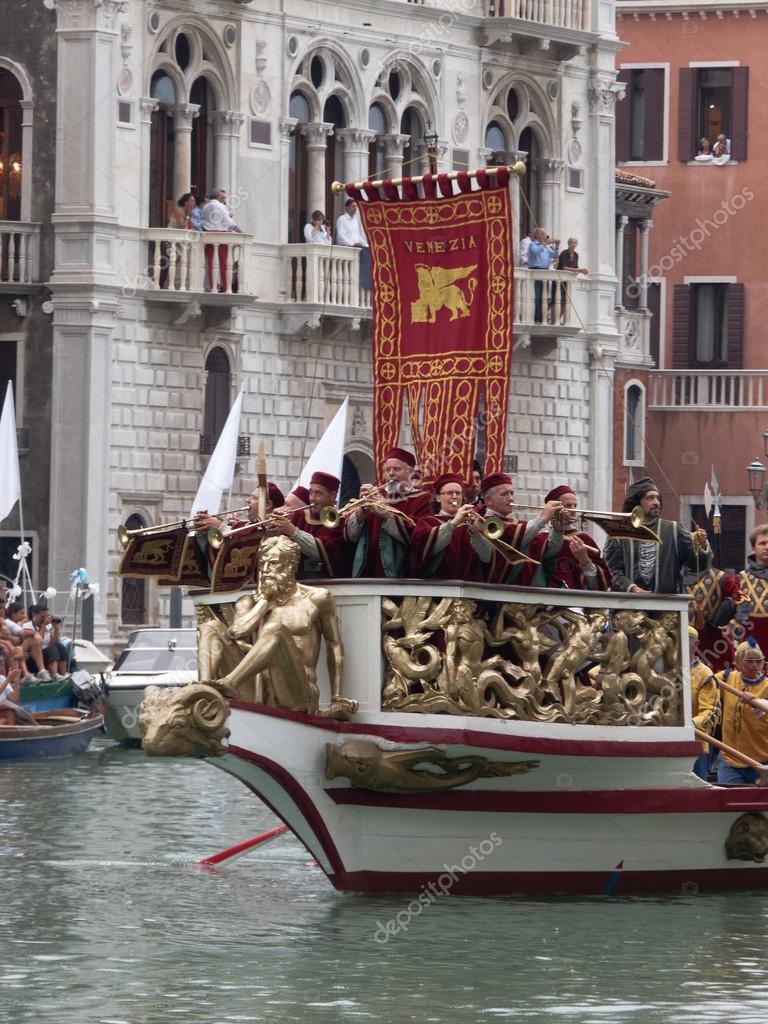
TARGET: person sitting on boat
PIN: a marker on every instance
(705, 701)
(449, 544)
(573, 559)
(498, 494)
(753, 582)
(55, 655)
(30, 641)
(643, 566)
(383, 541)
(325, 551)
(745, 729)
(717, 602)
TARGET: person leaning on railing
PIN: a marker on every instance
(318, 231)
(216, 217)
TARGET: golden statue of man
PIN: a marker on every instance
(285, 622)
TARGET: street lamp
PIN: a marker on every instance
(756, 476)
(430, 140)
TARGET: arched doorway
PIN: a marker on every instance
(334, 113)
(297, 168)
(161, 150)
(11, 164)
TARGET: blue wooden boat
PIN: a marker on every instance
(56, 733)
(49, 696)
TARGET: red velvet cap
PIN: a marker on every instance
(447, 478)
(326, 480)
(302, 494)
(494, 480)
(402, 455)
(557, 492)
(275, 495)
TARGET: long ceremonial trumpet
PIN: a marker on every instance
(636, 517)
(216, 535)
(332, 517)
(124, 534)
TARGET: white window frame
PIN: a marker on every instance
(639, 427)
(666, 68)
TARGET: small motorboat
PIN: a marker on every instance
(41, 734)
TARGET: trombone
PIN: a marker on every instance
(636, 517)
(492, 529)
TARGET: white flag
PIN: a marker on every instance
(328, 455)
(707, 499)
(10, 478)
(221, 469)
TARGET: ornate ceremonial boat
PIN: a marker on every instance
(504, 741)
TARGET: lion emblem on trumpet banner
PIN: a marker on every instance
(438, 290)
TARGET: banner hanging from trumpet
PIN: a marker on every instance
(442, 323)
(152, 551)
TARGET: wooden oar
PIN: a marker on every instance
(240, 848)
(756, 702)
(762, 771)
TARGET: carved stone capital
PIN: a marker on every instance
(603, 96)
(88, 14)
(356, 140)
(287, 126)
(183, 115)
(393, 145)
(148, 106)
(227, 122)
(316, 134)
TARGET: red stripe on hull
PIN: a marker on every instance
(736, 799)
(555, 883)
(478, 738)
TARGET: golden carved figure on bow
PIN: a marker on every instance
(187, 721)
(367, 766)
(283, 625)
(437, 290)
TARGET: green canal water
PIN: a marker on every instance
(104, 919)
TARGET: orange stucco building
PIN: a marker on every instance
(693, 74)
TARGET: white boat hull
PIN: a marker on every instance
(618, 817)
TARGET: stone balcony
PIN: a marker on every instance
(312, 282)
(19, 257)
(553, 28)
(708, 390)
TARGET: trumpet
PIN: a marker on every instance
(332, 517)
(216, 536)
(124, 534)
(492, 529)
(636, 517)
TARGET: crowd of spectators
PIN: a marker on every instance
(31, 647)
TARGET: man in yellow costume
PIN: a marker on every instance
(744, 728)
(705, 701)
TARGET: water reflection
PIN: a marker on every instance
(107, 921)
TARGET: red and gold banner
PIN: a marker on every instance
(442, 324)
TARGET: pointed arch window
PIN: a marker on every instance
(217, 388)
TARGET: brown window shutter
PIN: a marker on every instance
(623, 117)
(686, 115)
(682, 326)
(654, 114)
(739, 113)
(735, 300)
(629, 290)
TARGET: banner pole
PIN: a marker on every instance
(518, 169)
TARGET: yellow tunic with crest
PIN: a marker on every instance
(743, 728)
(705, 699)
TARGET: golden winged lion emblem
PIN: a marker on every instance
(438, 290)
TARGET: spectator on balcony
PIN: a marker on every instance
(216, 217)
(704, 152)
(525, 244)
(349, 231)
(183, 214)
(721, 151)
(318, 230)
(541, 254)
(197, 213)
(568, 260)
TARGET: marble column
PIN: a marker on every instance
(287, 128)
(645, 227)
(226, 136)
(356, 145)
(316, 135)
(393, 155)
(550, 173)
(147, 106)
(183, 116)
(602, 359)
(621, 223)
(27, 156)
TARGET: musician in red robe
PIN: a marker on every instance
(384, 541)
(449, 544)
(325, 551)
(573, 560)
(526, 537)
